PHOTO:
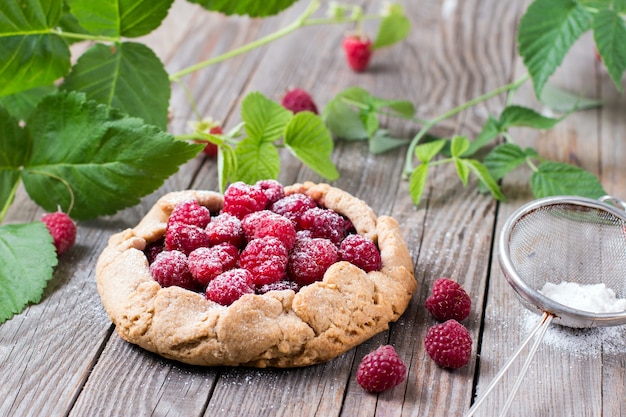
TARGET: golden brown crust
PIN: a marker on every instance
(279, 328)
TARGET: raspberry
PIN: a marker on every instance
(324, 223)
(266, 258)
(310, 259)
(225, 228)
(298, 100)
(273, 190)
(207, 263)
(449, 344)
(152, 249)
(381, 369)
(266, 223)
(190, 212)
(360, 251)
(278, 286)
(185, 237)
(448, 300)
(241, 199)
(293, 205)
(358, 51)
(229, 286)
(170, 268)
(62, 228)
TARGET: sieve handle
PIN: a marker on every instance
(545, 320)
(543, 326)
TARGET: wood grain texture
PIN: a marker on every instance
(62, 357)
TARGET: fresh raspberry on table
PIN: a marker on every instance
(229, 286)
(278, 286)
(381, 369)
(310, 259)
(298, 100)
(360, 251)
(449, 344)
(293, 205)
(225, 228)
(448, 300)
(190, 212)
(241, 199)
(206, 263)
(185, 237)
(266, 258)
(358, 51)
(170, 268)
(324, 223)
(273, 190)
(267, 223)
(62, 229)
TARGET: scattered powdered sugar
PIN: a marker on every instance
(580, 342)
(594, 298)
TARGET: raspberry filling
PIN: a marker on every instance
(261, 241)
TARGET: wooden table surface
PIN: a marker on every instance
(62, 356)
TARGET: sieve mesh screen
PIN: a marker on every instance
(570, 242)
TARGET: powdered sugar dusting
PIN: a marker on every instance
(580, 342)
(595, 298)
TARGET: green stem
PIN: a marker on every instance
(408, 165)
(8, 201)
(298, 23)
(85, 36)
(62, 181)
(363, 106)
(330, 20)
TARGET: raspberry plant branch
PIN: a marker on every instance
(429, 124)
(301, 21)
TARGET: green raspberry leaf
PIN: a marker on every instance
(370, 120)
(28, 258)
(252, 8)
(115, 18)
(128, 76)
(226, 166)
(609, 31)
(30, 55)
(547, 31)
(459, 146)
(557, 178)
(402, 107)
(491, 129)
(20, 105)
(14, 149)
(427, 151)
(308, 139)
(417, 183)
(525, 117)
(109, 160)
(563, 101)
(485, 178)
(256, 160)
(462, 170)
(265, 120)
(505, 158)
(381, 142)
(343, 121)
(393, 28)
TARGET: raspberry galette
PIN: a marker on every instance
(262, 276)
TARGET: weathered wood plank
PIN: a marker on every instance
(558, 378)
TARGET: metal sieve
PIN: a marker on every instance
(556, 239)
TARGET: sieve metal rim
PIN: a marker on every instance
(563, 314)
